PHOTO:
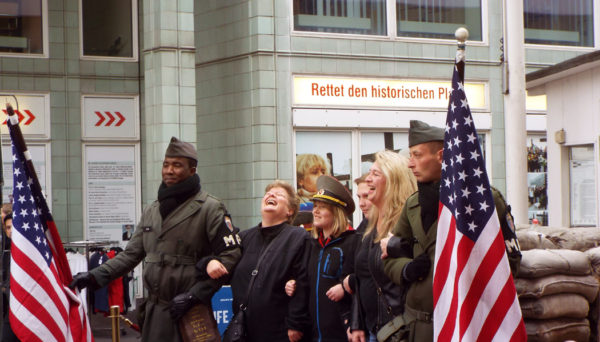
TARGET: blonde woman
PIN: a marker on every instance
(309, 167)
(378, 299)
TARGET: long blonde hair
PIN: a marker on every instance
(400, 184)
(340, 222)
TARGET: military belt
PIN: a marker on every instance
(412, 314)
(161, 258)
(156, 300)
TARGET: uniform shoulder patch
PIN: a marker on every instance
(228, 223)
(509, 221)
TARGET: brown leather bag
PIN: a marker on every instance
(199, 325)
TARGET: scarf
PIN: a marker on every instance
(171, 197)
(429, 198)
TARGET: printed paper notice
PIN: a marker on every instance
(111, 195)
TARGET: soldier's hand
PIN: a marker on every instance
(82, 280)
(417, 269)
(181, 304)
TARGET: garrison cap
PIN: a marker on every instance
(331, 191)
(421, 132)
(178, 148)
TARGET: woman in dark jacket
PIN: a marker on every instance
(377, 300)
(330, 260)
(271, 315)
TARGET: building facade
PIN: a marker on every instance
(258, 85)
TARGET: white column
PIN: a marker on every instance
(514, 112)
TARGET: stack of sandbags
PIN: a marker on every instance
(555, 289)
(594, 256)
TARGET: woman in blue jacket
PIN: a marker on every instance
(330, 260)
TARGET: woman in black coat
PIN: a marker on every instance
(271, 315)
(377, 300)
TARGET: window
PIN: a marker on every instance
(107, 28)
(537, 179)
(370, 143)
(320, 153)
(583, 186)
(415, 18)
(341, 16)
(438, 19)
(559, 22)
(21, 26)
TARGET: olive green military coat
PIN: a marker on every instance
(170, 250)
(419, 298)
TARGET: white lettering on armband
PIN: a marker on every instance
(229, 240)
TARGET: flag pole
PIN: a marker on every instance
(19, 142)
(461, 34)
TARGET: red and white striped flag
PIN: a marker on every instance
(42, 307)
(473, 289)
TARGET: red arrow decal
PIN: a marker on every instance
(31, 117)
(101, 118)
(111, 118)
(121, 119)
(21, 117)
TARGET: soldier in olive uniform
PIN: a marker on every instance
(411, 251)
(184, 226)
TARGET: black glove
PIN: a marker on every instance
(181, 304)
(82, 280)
(417, 269)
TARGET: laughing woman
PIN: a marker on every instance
(331, 259)
(377, 299)
(270, 315)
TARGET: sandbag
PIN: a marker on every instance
(563, 305)
(580, 239)
(537, 263)
(586, 286)
(534, 240)
(558, 330)
(594, 256)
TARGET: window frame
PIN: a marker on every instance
(134, 38)
(45, 37)
(596, 31)
(391, 26)
(355, 148)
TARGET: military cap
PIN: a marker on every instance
(331, 191)
(178, 148)
(421, 132)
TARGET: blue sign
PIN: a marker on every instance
(221, 303)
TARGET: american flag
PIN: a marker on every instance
(42, 307)
(473, 289)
